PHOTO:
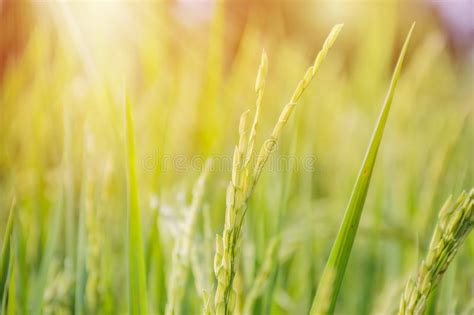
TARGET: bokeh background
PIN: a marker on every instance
(189, 69)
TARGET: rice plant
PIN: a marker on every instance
(245, 177)
(184, 246)
(116, 212)
(455, 222)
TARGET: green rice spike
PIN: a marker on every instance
(341, 250)
(270, 143)
(455, 222)
(242, 183)
(184, 244)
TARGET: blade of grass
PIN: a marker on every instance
(136, 260)
(37, 292)
(6, 250)
(269, 263)
(4, 297)
(80, 265)
(81, 241)
(11, 305)
(340, 252)
(23, 274)
(156, 263)
(68, 165)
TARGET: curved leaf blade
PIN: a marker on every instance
(333, 273)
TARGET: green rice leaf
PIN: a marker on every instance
(4, 262)
(80, 257)
(136, 260)
(37, 293)
(340, 252)
(11, 305)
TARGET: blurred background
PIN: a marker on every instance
(189, 69)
